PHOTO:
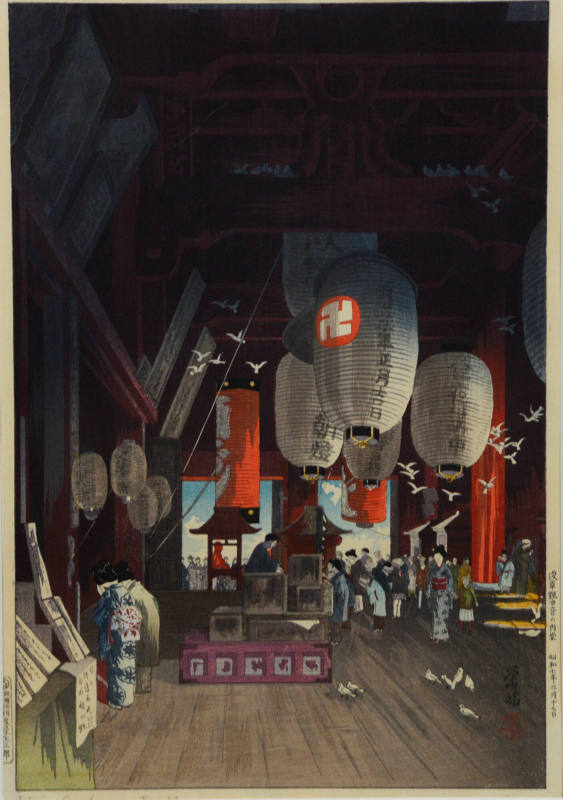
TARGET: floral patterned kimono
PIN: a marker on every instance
(119, 623)
(439, 591)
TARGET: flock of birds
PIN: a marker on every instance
(194, 369)
(451, 683)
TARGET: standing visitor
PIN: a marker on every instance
(439, 592)
(340, 597)
(505, 572)
(467, 602)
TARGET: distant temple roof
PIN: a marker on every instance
(225, 523)
(306, 524)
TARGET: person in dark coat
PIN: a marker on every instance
(340, 598)
(522, 559)
(261, 559)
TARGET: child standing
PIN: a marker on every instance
(467, 602)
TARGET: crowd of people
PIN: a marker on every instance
(381, 587)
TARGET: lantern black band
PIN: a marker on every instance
(311, 472)
(372, 482)
(238, 383)
(367, 431)
(443, 469)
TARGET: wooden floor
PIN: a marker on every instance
(402, 733)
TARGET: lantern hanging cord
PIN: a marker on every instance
(81, 542)
(214, 403)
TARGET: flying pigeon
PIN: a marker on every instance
(517, 445)
(411, 473)
(487, 484)
(449, 682)
(504, 321)
(193, 370)
(256, 367)
(416, 489)
(344, 691)
(469, 684)
(431, 677)
(500, 447)
(354, 687)
(493, 205)
(512, 458)
(457, 677)
(502, 173)
(408, 466)
(467, 712)
(508, 328)
(217, 360)
(234, 306)
(236, 337)
(451, 495)
(201, 356)
(535, 416)
(476, 190)
(222, 303)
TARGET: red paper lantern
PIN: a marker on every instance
(237, 470)
(361, 504)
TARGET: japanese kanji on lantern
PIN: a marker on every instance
(365, 505)
(237, 466)
(374, 464)
(89, 481)
(533, 298)
(451, 411)
(307, 255)
(365, 347)
(303, 434)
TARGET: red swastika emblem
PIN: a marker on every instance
(513, 726)
(338, 321)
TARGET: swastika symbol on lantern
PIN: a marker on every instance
(338, 321)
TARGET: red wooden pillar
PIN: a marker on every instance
(488, 510)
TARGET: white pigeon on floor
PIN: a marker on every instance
(354, 687)
(467, 712)
(531, 632)
(344, 691)
(469, 684)
(449, 682)
(457, 677)
(431, 677)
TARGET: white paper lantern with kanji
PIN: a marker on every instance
(307, 255)
(128, 470)
(366, 345)
(143, 510)
(89, 481)
(534, 299)
(303, 434)
(451, 411)
(161, 488)
(374, 464)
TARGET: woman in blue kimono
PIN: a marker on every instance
(119, 622)
(439, 592)
(340, 598)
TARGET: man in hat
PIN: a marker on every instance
(340, 598)
(521, 560)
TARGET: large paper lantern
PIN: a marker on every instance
(533, 298)
(365, 347)
(143, 509)
(307, 255)
(374, 464)
(451, 411)
(128, 470)
(362, 504)
(303, 434)
(89, 481)
(298, 335)
(237, 468)
(161, 488)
